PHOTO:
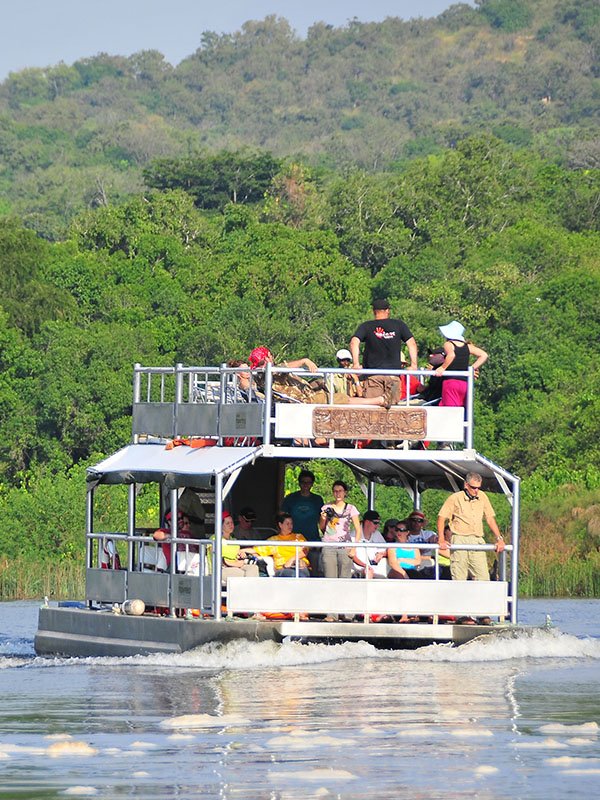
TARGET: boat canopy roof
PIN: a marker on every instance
(175, 467)
(183, 465)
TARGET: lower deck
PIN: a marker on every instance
(76, 632)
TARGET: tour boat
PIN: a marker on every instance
(193, 428)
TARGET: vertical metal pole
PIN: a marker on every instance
(514, 562)
(417, 497)
(178, 398)
(137, 383)
(222, 399)
(371, 495)
(130, 526)
(174, 531)
(217, 549)
(89, 527)
(469, 410)
(268, 405)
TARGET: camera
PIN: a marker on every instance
(249, 558)
(330, 513)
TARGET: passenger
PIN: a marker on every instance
(402, 560)
(418, 534)
(444, 556)
(187, 555)
(335, 521)
(299, 389)
(457, 357)
(237, 563)
(305, 507)
(432, 391)
(368, 560)
(286, 558)
(389, 529)
(245, 528)
(242, 389)
(464, 512)
(382, 338)
(346, 384)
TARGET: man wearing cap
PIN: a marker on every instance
(382, 338)
(370, 560)
(245, 528)
(465, 511)
(346, 384)
(305, 507)
(418, 534)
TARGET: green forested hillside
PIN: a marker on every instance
(369, 94)
(196, 250)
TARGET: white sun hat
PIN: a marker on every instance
(343, 354)
(453, 330)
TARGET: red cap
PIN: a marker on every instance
(225, 515)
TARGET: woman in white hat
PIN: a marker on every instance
(457, 357)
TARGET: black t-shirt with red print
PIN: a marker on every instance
(382, 339)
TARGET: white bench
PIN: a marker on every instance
(361, 596)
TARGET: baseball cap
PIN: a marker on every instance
(416, 515)
(372, 516)
(343, 354)
(248, 513)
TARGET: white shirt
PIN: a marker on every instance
(367, 555)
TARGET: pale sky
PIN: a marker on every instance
(41, 33)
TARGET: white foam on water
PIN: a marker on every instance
(59, 737)
(313, 775)
(471, 733)
(418, 732)
(577, 741)
(539, 745)
(81, 791)
(141, 774)
(199, 721)
(485, 769)
(300, 740)
(560, 761)
(587, 728)
(72, 748)
(144, 745)
(4, 756)
(580, 772)
(19, 749)
(181, 737)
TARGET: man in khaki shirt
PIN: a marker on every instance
(465, 511)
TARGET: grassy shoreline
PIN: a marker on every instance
(26, 580)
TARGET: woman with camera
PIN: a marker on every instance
(338, 520)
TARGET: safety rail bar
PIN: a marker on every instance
(219, 386)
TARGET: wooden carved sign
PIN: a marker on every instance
(344, 422)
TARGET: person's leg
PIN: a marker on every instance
(459, 560)
(478, 565)
(250, 571)
(314, 559)
(329, 562)
(344, 563)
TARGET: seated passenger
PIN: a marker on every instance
(369, 561)
(236, 563)
(444, 556)
(245, 528)
(163, 535)
(418, 534)
(286, 558)
(299, 389)
(402, 560)
(432, 390)
(389, 529)
(346, 383)
(241, 389)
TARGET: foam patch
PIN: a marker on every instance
(192, 721)
(471, 733)
(81, 791)
(313, 775)
(62, 749)
(535, 745)
(587, 728)
(485, 769)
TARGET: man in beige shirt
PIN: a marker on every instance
(465, 511)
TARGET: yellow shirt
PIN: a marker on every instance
(466, 516)
(282, 554)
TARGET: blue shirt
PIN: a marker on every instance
(305, 513)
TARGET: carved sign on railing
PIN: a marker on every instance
(342, 422)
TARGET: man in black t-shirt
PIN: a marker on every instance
(382, 338)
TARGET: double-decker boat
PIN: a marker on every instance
(195, 429)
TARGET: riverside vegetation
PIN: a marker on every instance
(197, 255)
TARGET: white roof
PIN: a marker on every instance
(179, 466)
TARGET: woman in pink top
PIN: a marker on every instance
(338, 522)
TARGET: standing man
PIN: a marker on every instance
(305, 507)
(465, 511)
(368, 559)
(382, 338)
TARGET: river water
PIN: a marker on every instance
(504, 717)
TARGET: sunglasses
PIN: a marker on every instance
(475, 488)
(402, 530)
